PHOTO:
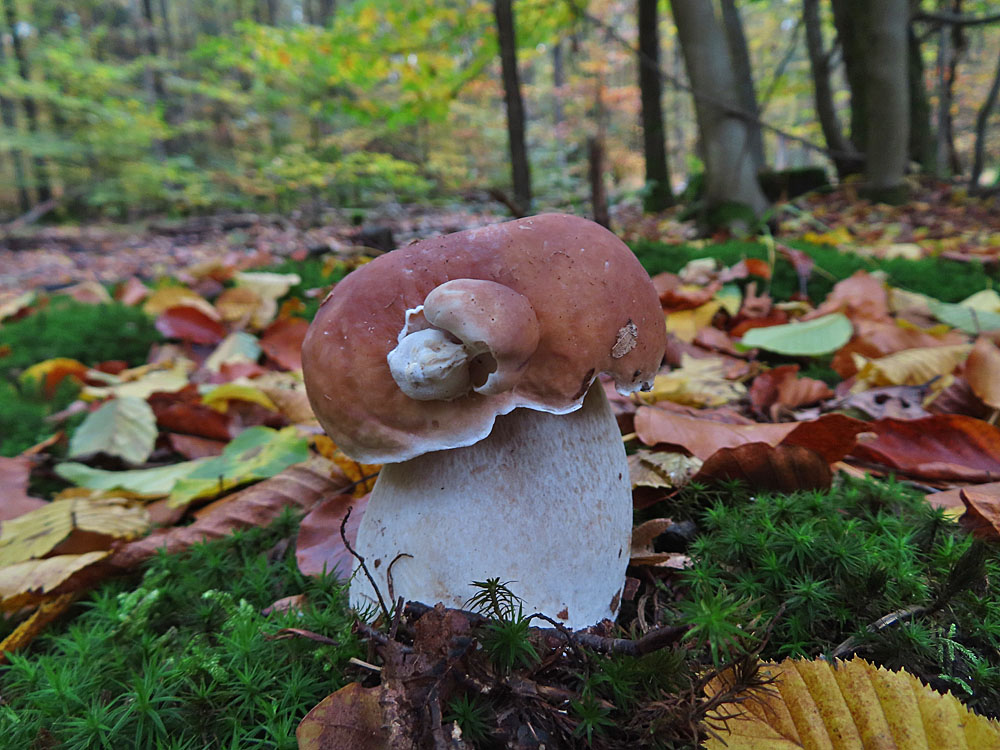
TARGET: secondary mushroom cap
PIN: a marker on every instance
(565, 301)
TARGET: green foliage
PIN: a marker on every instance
(88, 333)
(820, 568)
(505, 639)
(947, 280)
(472, 715)
(185, 659)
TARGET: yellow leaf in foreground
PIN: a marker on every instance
(697, 382)
(27, 582)
(908, 367)
(25, 632)
(38, 532)
(850, 705)
(166, 297)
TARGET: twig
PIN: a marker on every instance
(900, 615)
(361, 563)
(380, 638)
(388, 573)
(563, 631)
(396, 615)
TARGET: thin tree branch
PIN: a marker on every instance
(955, 19)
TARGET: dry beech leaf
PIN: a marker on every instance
(661, 469)
(77, 525)
(27, 583)
(351, 717)
(908, 367)
(319, 548)
(982, 512)
(237, 304)
(848, 705)
(878, 338)
(951, 500)
(282, 342)
(776, 468)
(300, 486)
(780, 388)
(189, 323)
(697, 382)
(982, 371)
(14, 475)
(166, 297)
(944, 447)
(858, 297)
(642, 552)
(52, 372)
(26, 631)
(685, 324)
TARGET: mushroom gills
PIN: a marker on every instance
(543, 502)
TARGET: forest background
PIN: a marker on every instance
(129, 108)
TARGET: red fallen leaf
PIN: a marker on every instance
(112, 366)
(189, 323)
(777, 468)
(982, 513)
(57, 370)
(674, 298)
(716, 340)
(131, 291)
(958, 398)
(183, 412)
(832, 435)
(758, 267)
(946, 447)
(319, 547)
(860, 296)
(300, 486)
(282, 342)
(14, 475)
(230, 371)
(192, 446)
(676, 349)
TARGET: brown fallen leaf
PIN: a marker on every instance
(642, 552)
(28, 583)
(945, 447)
(189, 323)
(879, 338)
(300, 486)
(319, 548)
(775, 468)
(982, 512)
(951, 500)
(192, 446)
(282, 340)
(349, 718)
(780, 390)
(858, 297)
(26, 631)
(982, 371)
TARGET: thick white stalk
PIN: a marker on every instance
(544, 502)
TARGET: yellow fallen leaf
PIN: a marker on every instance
(364, 475)
(141, 382)
(661, 469)
(237, 303)
(908, 367)
(697, 382)
(36, 533)
(987, 300)
(28, 582)
(218, 398)
(850, 705)
(293, 403)
(839, 236)
(685, 324)
(982, 370)
(268, 287)
(26, 631)
(171, 296)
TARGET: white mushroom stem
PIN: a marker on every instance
(544, 502)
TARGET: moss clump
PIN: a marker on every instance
(946, 280)
(183, 660)
(88, 333)
(24, 411)
(820, 568)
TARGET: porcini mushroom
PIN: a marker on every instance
(468, 364)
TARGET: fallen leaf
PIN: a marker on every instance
(780, 389)
(95, 523)
(158, 481)
(182, 411)
(349, 718)
(896, 401)
(131, 291)
(814, 705)
(26, 631)
(774, 468)
(219, 397)
(685, 324)
(237, 304)
(951, 500)
(811, 338)
(319, 548)
(269, 287)
(945, 447)
(967, 319)
(192, 446)
(661, 470)
(982, 371)
(300, 486)
(28, 582)
(142, 382)
(122, 427)
(15, 473)
(237, 347)
(878, 338)
(858, 297)
(908, 367)
(282, 342)
(52, 372)
(189, 323)
(697, 382)
(162, 299)
(982, 512)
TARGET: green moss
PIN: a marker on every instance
(947, 280)
(184, 658)
(24, 412)
(88, 333)
(820, 568)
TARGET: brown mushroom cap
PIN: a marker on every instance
(595, 307)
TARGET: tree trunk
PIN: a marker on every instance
(324, 12)
(846, 159)
(8, 115)
(730, 168)
(520, 172)
(982, 120)
(43, 187)
(888, 101)
(921, 134)
(654, 136)
(851, 20)
(740, 53)
(595, 172)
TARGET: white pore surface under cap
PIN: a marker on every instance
(544, 502)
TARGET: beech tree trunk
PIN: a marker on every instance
(982, 120)
(921, 133)
(520, 171)
(845, 157)
(654, 136)
(743, 70)
(43, 187)
(888, 100)
(730, 166)
(851, 20)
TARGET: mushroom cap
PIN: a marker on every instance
(596, 311)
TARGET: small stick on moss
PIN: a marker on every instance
(851, 645)
(361, 562)
(564, 631)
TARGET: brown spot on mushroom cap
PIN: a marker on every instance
(583, 283)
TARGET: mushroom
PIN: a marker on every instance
(468, 365)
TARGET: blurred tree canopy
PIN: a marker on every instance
(125, 108)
